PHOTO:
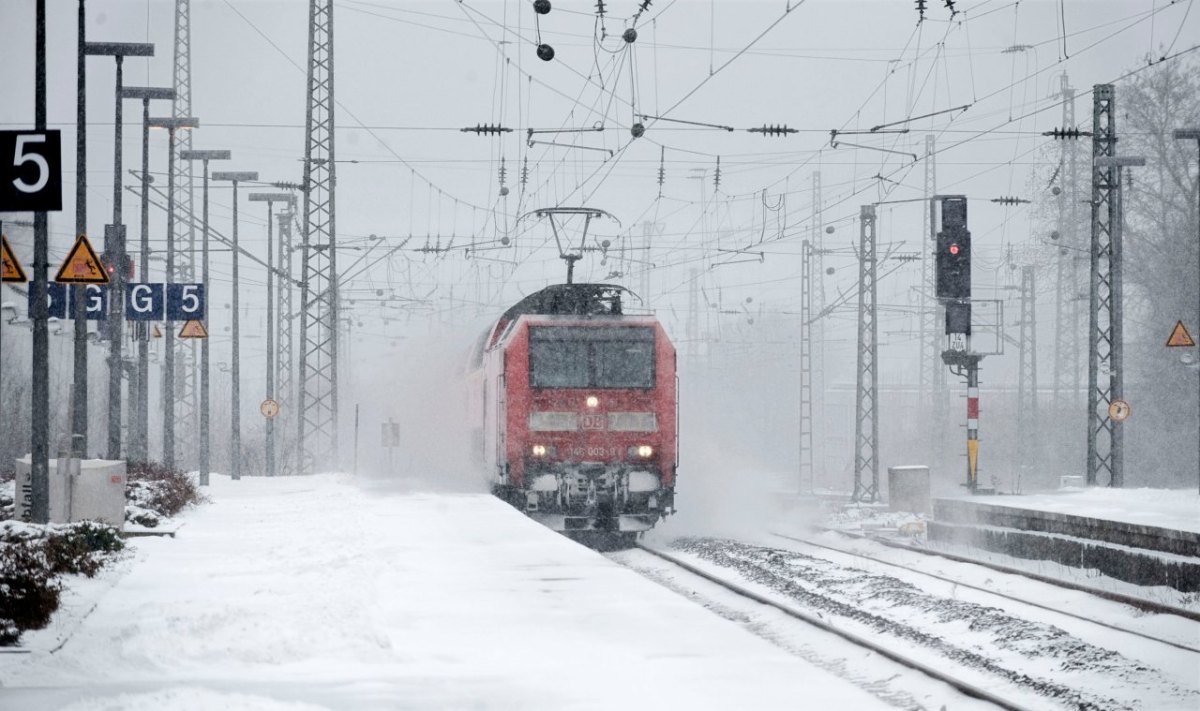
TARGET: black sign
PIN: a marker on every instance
(30, 171)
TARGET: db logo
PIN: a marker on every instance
(115, 479)
(592, 421)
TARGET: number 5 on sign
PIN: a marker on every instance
(185, 302)
(30, 171)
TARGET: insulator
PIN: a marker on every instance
(480, 129)
(921, 8)
(773, 130)
(503, 171)
(600, 8)
(541, 7)
(545, 52)
(717, 175)
(1065, 133)
(525, 173)
(950, 7)
(645, 6)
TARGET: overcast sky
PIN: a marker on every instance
(410, 75)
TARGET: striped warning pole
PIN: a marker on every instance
(972, 423)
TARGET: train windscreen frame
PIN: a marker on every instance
(610, 357)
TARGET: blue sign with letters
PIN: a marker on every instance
(185, 302)
(95, 300)
(57, 296)
(144, 302)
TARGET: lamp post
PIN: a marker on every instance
(235, 444)
(270, 199)
(168, 385)
(114, 244)
(1117, 347)
(139, 445)
(79, 403)
(1193, 134)
(205, 454)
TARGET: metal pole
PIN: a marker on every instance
(168, 385)
(973, 424)
(235, 451)
(270, 335)
(205, 454)
(1116, 375)
(39, 472)
(205, 389)
(142, 441)
(79, 424)
(116, 252)
(235, 441)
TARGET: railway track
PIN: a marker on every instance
(1138, 603)
(980, 652)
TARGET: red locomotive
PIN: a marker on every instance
(575, 411)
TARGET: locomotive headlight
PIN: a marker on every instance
(644, 451)
(539, 450)
(592, 401)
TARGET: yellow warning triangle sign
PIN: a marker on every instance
(1180, 338)
(12, 271)
(193, 329)
(157, 333)
(82, 266)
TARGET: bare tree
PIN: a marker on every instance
(1160, 264)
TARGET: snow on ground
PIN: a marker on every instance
(1177, 509)
(320, 593)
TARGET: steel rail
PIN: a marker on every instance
(966, 688)
(1136, 602)
(1006, 596)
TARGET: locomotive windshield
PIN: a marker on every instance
(591, 357)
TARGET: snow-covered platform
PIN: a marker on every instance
(330, 593)
(1141, 536)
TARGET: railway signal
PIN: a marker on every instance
(953, 263)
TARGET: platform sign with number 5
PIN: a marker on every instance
(30, 171)
(185, 302)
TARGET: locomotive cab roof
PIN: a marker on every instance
(558, 300)
(570, 300)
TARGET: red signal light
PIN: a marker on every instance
(954, 249)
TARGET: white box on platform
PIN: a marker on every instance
(95, 492)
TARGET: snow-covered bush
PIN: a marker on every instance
(32, 557)
(81, 548)
(160, 490)
(28, 590)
